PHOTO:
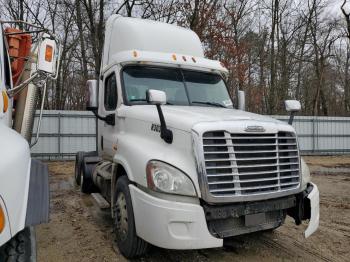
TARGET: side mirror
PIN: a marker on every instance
(241, 100)
(156, 97)
(292, 106)
(92, 95)
(48, 54)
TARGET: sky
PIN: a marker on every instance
(334, 6)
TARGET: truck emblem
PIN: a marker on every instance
(155, 128)
(254, 129)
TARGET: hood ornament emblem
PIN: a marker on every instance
(254, 129)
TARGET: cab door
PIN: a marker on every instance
(108, 138)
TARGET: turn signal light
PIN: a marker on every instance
(48, 53)
(5, 101)
(2, 220)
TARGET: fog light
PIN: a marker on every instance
(2, 220)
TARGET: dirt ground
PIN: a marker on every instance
(80, 231)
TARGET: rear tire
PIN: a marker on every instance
(79, 157)
(87, 184)
(21, 248)
(129, 244)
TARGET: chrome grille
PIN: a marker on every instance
(246, 164)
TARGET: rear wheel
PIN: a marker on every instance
(87, 184)
(21, 248)
(78, 166)
(129, 244)
(79, 159)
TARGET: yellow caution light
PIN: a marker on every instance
(5, 101)
(2, 220)
(134, 53)
(174, 57)
(48, 53)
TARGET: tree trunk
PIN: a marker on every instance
(81, 39)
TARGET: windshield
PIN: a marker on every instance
(182, 87)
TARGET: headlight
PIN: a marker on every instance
(168, 179)
(305, 172)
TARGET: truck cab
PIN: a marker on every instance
(178, 163)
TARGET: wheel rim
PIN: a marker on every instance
(121, 217)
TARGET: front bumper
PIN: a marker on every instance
(177, 225)
(314, 206)
(170, 224)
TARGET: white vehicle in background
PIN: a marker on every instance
(24, 189)
(179, 165)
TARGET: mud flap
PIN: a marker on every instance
(38, 196)
(314, 209)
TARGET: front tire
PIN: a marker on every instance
(129, 244)
(21, 248)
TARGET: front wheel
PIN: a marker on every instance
(21, 248)
(129, 244)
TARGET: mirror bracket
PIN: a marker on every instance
(291, 117)
(165, 133)
(109, 119)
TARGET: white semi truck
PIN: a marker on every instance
(25, 67)
(179, 164)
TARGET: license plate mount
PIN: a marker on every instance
(255, 219)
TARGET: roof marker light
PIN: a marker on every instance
(134, 53)
(174, 57)
(194, 60)
(184, 58)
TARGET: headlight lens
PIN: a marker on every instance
(305, 172)
(166, 178)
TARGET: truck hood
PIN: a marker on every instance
(185, 117)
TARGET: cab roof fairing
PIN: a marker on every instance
(166, 59)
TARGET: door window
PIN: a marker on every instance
(110, 93)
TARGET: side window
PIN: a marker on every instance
(110, 94)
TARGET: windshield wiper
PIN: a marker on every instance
(209, 103)
(144, 100)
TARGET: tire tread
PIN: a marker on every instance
(18, 249)
(137, 247)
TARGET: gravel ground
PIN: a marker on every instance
(80, 231)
